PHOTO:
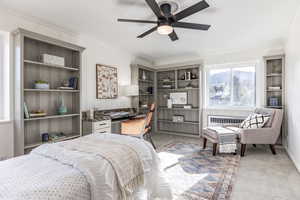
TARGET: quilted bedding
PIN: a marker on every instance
(36, 176)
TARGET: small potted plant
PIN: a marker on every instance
(41, 85)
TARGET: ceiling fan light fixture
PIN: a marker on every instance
(165, 29)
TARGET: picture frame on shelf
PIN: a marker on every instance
(179, 98)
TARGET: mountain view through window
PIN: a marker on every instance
(231, 86)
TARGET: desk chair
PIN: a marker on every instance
(140, 127)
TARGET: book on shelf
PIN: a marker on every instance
(32, 115)
(26, 113)
(73, 82)
(65, 88)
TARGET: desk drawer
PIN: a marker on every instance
(103, 130)
(101, 125)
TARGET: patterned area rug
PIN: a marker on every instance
(194, 174)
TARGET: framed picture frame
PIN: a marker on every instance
(106, 82)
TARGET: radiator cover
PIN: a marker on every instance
(216, 120)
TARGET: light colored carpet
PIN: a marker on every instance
(261, 175)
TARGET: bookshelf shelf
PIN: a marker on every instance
(179, 109)
(146, 81)
(50, 65)
(274, 75)
(50, 90)
(185, 122)
(52, 117)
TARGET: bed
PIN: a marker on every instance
(98, 166)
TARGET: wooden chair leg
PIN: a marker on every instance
(147, 136)
(272, 147)
(243, 149)
(204, 143)
(215, 145)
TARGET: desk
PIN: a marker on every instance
(105, 124)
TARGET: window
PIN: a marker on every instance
(231, 85)
(4, 77)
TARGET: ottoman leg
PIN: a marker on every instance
(215, 145)
(243, 149)
(204, 143)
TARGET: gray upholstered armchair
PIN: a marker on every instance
(267, 135)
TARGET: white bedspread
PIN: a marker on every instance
(35, 176)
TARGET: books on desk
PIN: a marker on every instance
(139, 116)
(118, 115)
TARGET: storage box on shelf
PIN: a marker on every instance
(30, 70)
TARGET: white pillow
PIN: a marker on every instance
(255, 121)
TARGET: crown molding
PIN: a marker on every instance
(38, 21)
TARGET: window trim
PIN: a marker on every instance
(207, 68)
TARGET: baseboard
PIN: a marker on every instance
(296, 163)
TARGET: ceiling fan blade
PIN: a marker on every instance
(173, 36)
(203, 27)
(137, 21)
(192, 10)
(155, 8)
(148, 32)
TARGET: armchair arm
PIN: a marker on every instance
(258, 136)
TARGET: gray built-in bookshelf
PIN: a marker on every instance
(156, 86)
(274, 76)
(29, 68)
(275, 87)
(187, 80)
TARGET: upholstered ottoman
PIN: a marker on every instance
(212, 134)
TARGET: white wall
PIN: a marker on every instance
(99, 53)
(293, 92)
(6, 140)
(2, 112)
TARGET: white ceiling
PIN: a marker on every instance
(236, 24)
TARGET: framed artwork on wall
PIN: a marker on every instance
(107, 82)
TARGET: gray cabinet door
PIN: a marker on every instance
(116, 127)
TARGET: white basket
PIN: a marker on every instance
(41, 86)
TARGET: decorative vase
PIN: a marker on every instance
(62, 109)
(183, 77)
(144, 77)
(194, 76)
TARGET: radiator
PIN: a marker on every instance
(214, 120)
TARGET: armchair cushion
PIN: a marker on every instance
(268, 112)
(254, 121)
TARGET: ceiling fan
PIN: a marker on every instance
(166, 21)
